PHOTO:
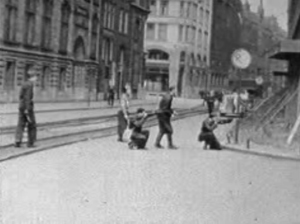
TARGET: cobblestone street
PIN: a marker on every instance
(102, 181)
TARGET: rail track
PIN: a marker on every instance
(49, 142)
(77, 109)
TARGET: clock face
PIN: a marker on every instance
(241, 58)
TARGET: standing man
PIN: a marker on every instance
(164, 114)
(123, 114)
(26, 111)
(210, 101)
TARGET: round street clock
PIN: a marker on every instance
(241, 58)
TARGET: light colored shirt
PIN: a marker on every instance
(124, 103)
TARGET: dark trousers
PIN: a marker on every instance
(165, 127)
(210, 107)
(122, 124)
(210, 139)
(140, 139)
(28, 120)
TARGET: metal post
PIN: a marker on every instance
(237, 125)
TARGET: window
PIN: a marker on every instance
(30, 13)
(62, 80)
(164, 7)
(153, 7)
(187, 33)
(121, 21)
(9, 77)
(193, 34)
(107, 50)
(45, 78)
(188, 10)
(158, 55)
(113, 15)
(180, 33)
(46, 24)
(182, 57)
(182, 14)
(64, 27)
(105, 14)
(10, 22)
(199, 37)
(126, 23)
(201, 14)
(162, 32)
(150, 34)
(94, 37)
(205, 40)
(195, 11)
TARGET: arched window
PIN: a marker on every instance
(199, 60)
(64, 27)
(30, 13)
(62, 80)
(46, 24)
(10, 21)
(158, 55)
(79, 49)
(45, 78)
(94, 37)
(192, 62)
(182, 57)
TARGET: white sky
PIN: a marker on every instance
(277, 8)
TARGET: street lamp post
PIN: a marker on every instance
(241, 59)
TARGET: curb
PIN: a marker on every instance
(276, 156)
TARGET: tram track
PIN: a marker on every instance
(69, 122)
(77, 109)
(9, 152)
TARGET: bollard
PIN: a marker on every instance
(248, 143)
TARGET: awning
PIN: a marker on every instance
(286, 49)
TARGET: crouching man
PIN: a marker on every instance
(139, 136)
(207, 133)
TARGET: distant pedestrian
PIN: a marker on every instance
(164, 114)
(210, 101)
(26, 111)
(139, 136)
(111, 96)
(123, 114)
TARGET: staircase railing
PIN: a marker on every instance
(276, 108)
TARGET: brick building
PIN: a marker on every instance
(259, 35)
(68, 43)
(123, 42)
(226, 30)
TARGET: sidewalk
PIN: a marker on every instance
(254, 149)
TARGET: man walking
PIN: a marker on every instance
(164, 114)
(26, 111)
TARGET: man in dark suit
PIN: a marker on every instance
(164, 114)
(26, 111)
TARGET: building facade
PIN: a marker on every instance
(226, 31)
(259, 35)
(77, 47)
(177, 40)
(122, 44)
(289, 50)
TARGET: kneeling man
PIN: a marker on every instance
(139, 136)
